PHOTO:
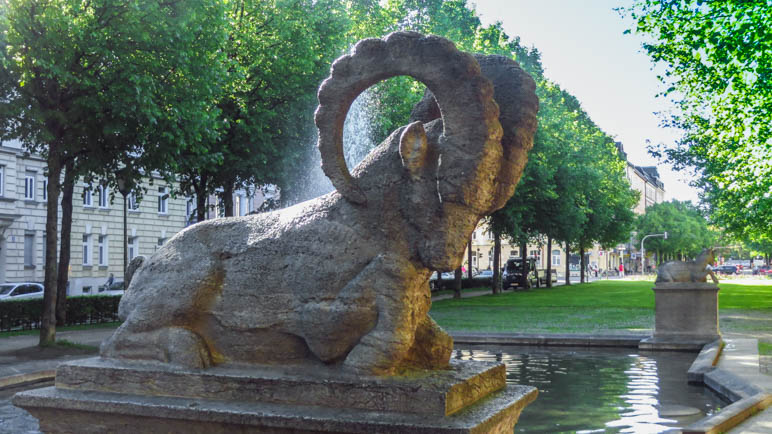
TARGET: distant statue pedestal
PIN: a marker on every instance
(98, 395)
(686, 316)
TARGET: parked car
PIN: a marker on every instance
(443, 283)
(726, 269)
(513, 273)
(20, 291)
(116, 288)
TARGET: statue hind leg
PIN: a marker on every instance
(163, 320)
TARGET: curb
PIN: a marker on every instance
(30, 377)
(731, 416)
(565, 340)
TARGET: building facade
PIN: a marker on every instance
(153, 216)
(22, 215)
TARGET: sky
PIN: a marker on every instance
(584, 50)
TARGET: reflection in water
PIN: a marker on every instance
(601, 390)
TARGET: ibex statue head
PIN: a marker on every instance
(458, 162)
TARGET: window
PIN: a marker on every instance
(2, 180)
(86, 249)
(102, 246)
(190, 211)
(240, 203)
(556, 257)
(86, 196)
(161, 241)
(86, 289)
(219, 210)
(103, 193)
(513, 253)
(45, 189)
(163, 200)
(29, 186)
(133, 247)
(132, 203)
(29, 250)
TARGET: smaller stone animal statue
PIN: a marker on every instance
(688, 271)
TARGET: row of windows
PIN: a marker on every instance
(30, 180)
(103, 194)
(102, 249)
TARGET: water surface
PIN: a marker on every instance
(601, 390)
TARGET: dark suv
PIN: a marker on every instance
(726, 269)
(513, 273)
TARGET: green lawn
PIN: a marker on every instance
(606, 306)
(104, 325)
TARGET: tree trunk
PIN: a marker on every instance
(469, 261)
(496, 263)
(48, 320)
(457, 283)
(65, 247)
(549, 262)
(582, 265)
(200, 188)
(568, 265)
(524, 266)
(227, 200)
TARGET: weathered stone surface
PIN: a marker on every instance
(73, 411)
(439, 392)
(685, 315)
(342, 280)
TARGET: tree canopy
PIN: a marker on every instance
(717, 56)
(103, 85)
(687, 229)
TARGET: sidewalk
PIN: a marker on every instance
(22, 361)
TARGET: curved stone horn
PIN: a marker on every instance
(515, 94)
(465, 97)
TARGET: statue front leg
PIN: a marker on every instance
(713, 276)
(402, 301)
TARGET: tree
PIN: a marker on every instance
(99, 85)
(717, 56)
(687, 230)
(277, 52)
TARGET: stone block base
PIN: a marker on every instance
(96, 395)
(685, 316)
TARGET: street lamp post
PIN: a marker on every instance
(124, 187)
(643, 251)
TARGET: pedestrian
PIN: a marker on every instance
(621, 270)
(110, 281)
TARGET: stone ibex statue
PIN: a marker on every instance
(342, 280)
(689, 271)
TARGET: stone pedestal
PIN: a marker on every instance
(98, 395)
(686, 316)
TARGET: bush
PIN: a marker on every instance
(26, 314)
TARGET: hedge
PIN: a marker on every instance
(26, 314)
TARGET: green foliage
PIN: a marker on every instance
(276, 53)
(26, 314)
(718, 60)
(110, 83)
(687, 229)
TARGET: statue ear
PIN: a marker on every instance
(413, 148)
